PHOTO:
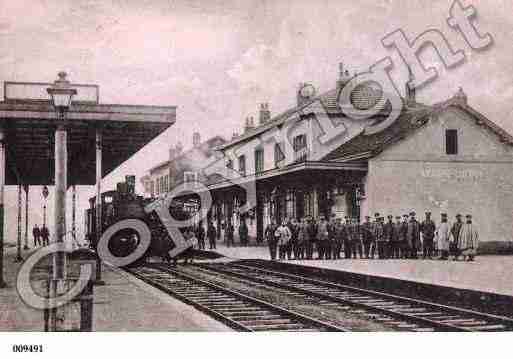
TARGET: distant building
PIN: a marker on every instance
(182, 166)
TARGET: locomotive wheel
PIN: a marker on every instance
(124, 242)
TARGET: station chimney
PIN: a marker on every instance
(196, 139)
(264, 114)
(249, 125)
(410, 89)
(343, 76)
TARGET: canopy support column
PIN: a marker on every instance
(2, 185)
(74, 214)
(99, 280)
(61, 159)
(18, 258)
(26, 188)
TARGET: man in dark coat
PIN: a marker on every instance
(413, 235)
(396, 238)
(322, 238)
(346, 238)
(428, 229)
(311, 230)
(243, 233)
(293, 247)
(455, 232)
(388, 232)
(45, 236)
(211, 234)
(337, 239)
(379, 233)
(272, 241)
(37, 235)
(367, 236)
(228, 234)
(200, 235)
(405, 248)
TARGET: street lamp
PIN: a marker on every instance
(45, 193)
(61, 94)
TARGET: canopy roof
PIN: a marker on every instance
(29, 128)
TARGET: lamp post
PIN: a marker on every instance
(61, 94)
(18, 258)
(26, 188)
(45, 193)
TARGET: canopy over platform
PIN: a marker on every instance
(29, 121)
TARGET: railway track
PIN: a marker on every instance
(400, 312)
(235, 309)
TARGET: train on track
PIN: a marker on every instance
(121, 204)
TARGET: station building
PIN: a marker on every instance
(445, 157)
(316, 160)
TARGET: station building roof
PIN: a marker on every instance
(29, 127)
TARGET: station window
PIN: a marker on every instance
(300, 148)
(451, 142)
(259, 160)
(278, 153)
(242, 165)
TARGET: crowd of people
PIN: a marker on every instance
(405, 237)
(41, 236)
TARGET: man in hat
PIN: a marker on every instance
(468, 239)
(405, 248)
(311, 230)
(337, 238)
(396, 238)
(322, 238)
(374, 244)
(367, 236)
(388, 230)
(330, 243)
(427, 229)
(283, 235)
(272, 240)
(346, 238)
(443, 235)
(37, 236)
(455, 232)
(413, 235)
(356, 239)
(379, 236)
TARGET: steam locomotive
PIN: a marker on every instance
(124, 203)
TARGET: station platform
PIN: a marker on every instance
(124, 303)
(488, 273)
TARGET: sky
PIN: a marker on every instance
(217, 60)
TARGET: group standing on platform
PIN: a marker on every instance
(406, 238)
(41, 236)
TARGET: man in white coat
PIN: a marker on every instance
(468, 240)
(443, 233)
(283, 235)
